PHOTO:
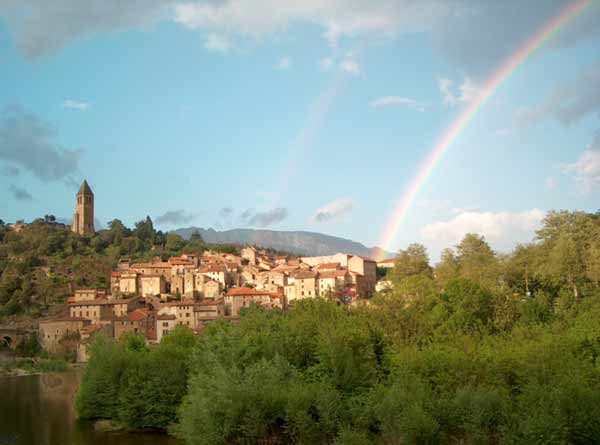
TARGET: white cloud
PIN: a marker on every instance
(337, 18)
(284, 63)
(42, 26)
(445, 86)
(466, 91)
(73, 104)
(217, 42)
(333, 210)
(397, 100)
(350, 66)
(586, 169)
(501, 229)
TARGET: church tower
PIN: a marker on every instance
(83, 218)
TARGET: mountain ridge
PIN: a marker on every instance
(294, 241)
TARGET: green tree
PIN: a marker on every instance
(477, 260)
(414, 260)
(98, 395)
(144, 231)
(448, 268)
(196, 237)
(174, 242)
(592, 261)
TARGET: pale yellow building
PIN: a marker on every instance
(165, 323)
(242, 297)
(152, 285)
(182, 310)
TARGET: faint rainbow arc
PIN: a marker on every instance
(452, 132)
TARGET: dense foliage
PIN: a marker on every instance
(483, 348)
(139, 387)
(41, 264)
(325, 374)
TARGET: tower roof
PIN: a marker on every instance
(85, 189)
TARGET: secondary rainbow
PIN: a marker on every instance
(468, 113)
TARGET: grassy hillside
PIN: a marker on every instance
(42, 264)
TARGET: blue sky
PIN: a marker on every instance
(310, 116)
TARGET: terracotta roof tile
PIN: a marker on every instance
(328, 266)
(388, 260)
(62, 319)
(166, 317)
(245, 291)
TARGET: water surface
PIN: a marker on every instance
(38, 410)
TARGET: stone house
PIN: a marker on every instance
(333, 281)
(249, 275)
(215, 272)
(152, 285)
(277, 277)
(249, 253)
(126, 282)
(100, 309)
(182, 310)
(61, 334)
(164, 324)
(264, 265)
(191, 292)
(207, 310)
(139, 321)
(212, 289)
(366, 268)
(177, 284)
(115, 277)
(306, 284)
(290, 292)
(328, 267)
(88, 294)
(93, 310)
(341, 258)
(241, 297)
(388, 263)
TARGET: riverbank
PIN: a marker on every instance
(22, 366)
(25, 397)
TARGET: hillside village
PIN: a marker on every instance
(151, 298)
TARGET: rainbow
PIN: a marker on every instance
(453, 131)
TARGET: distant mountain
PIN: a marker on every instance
(299, 242)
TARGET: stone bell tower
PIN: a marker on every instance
(83, 218)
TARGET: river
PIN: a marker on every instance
(38, 410)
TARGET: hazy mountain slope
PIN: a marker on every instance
(305, 243)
